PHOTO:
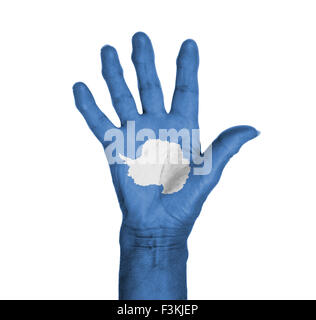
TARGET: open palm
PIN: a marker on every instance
(146, 207)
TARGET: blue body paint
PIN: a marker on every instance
(156, 226)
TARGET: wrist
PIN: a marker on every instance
(163, 239)
(153, 263)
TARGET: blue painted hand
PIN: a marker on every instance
(160, 200)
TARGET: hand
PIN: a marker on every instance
(152, 219)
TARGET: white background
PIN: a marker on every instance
(59, 216)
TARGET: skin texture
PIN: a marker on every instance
(155, 226)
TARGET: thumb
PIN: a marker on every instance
(223, 148)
